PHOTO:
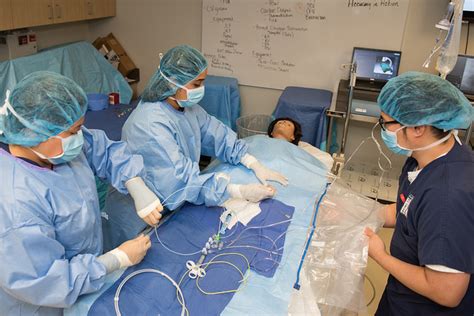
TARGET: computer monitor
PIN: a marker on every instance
(468, 11)
(462, 75)
(376, 64)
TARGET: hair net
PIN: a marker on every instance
(416, 99)
(181, 65)
(41, 105)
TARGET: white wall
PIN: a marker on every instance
(147, 27)
(52, 35)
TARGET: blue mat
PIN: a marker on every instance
(261, 295)
(148, 293)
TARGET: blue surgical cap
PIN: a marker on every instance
(41, 105)
(416, 99)
(181, 64)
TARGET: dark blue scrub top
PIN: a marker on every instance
(435, 225)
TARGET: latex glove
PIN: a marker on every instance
(147, 204)
(154, 217)
(261, 172)
(376, 245)
(251, 192)
(132, 251)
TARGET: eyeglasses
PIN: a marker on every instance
(384, 124)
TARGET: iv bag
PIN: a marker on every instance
(450, 49)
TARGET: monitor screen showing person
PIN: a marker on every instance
(374, 64)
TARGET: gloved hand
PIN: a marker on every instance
(251, 192)
(154, 217)
(147, 204)
(134, 250)
(261, 172)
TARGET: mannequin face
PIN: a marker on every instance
(284, 130)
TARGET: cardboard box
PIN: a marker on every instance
(134, 86)
(110, 47)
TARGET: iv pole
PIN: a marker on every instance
(339, 159)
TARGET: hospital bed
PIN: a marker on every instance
(272, 244)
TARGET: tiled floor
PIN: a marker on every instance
(365, 178)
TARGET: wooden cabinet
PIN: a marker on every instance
(6, 21)
(68, 10)
(28, 13)
(99, 8)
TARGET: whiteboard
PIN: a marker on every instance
(280, 43)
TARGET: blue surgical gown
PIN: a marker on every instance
(50, 227)
(171, 143)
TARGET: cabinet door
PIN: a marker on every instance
(100, 8)
(6, 21)
(69, 11)
(28, 13)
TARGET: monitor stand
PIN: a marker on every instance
(369, 85)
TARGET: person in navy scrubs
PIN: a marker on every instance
(431, 258)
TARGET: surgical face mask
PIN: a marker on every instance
(390, 139)
(194, 95)
(72, 146)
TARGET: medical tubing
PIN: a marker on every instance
(381, 153)
(258, 227)
(179, 293)
(268, 269)
(260, 236)
(184, 310)
(427, 62)
(373, 290)
(171, 250)
(277, 250)
(380, 167)
(211, 262)
(165, 204)
(179, 190)
(253, 247)
(313, 227)
(244, 279)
